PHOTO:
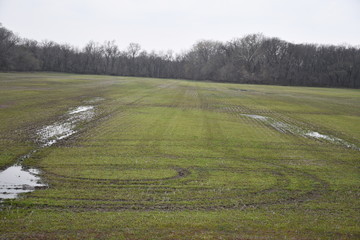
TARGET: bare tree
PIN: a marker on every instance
(133, 50)
(111, 52)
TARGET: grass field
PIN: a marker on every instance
(173, 159)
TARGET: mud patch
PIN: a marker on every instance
(288, 128)
(95, 100)
(239, 90)
(17, 179)
(51, 134)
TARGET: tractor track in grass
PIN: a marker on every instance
(196, 203)
(181, 173)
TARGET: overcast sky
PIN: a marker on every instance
(178, 24)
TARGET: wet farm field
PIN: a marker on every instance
(103, 157)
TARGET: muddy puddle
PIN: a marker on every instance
(295, 130)
(18, 179)
(51, 134)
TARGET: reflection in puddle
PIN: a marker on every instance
(287, 128)
(17, 179)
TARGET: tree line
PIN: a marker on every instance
(254, 59)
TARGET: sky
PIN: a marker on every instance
(178, 24)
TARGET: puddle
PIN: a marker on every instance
(287, 128)
(17, 179)
(51, 134)
(319, 136)
(332, 139)
(255, 116)
(81, 109)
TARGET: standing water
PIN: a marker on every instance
(287, 128)
(18, 179)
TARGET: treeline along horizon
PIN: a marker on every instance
(253, 59)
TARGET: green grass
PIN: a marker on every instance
(175, 159)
